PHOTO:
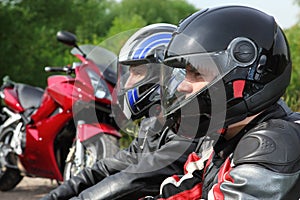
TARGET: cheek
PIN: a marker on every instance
(129, 83)
(197, 86)
(132, 80)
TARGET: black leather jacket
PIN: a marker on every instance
(261, 162)
(264, 162)
(134, 172)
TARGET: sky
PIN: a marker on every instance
(285, 12)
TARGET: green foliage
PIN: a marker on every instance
(153, 11)
(129, 133)
(292, 95)
(28, 29)
(121, 29)
(28, 32)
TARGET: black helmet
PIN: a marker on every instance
(142, 55)
(243, 48)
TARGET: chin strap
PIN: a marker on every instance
(169, 124)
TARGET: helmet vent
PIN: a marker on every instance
(243, 51)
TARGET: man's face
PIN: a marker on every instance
(195, 80)
(136, 74)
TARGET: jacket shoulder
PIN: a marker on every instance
(273, 144)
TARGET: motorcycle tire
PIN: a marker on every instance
(9, 177)
(101, 146)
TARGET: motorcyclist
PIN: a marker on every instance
(238, 65)
(157, 152)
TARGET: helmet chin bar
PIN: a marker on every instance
(197, 124)
(258, 101)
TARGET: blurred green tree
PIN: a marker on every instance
(28, 30)
(292, 95)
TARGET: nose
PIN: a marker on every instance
(185, 87)
(132, 80)
(129, 83)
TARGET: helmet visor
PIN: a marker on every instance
(134, 76)
(138, 87)
(203, 70)
(197, 73)
(131, 76)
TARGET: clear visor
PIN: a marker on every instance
(170, 79)
(132, 76)
(197, 73)
(201, 72)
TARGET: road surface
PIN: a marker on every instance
(29, 189)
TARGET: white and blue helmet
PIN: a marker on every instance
(141, 56)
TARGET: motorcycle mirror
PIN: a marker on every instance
(67, 38)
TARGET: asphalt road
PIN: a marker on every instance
(29, 189)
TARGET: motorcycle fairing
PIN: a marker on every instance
(86, 131)
(11, 99)
(39, 156)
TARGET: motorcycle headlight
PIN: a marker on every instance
(100, 87)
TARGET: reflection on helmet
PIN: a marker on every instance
(248, 55)
(139, 70)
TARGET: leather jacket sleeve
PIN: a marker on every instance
(145, 177)
(90, 176)
(265, 164)
(254, 182)
(103, 168)
(144, 161)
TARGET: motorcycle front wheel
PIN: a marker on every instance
(10, 175)
(100, 146)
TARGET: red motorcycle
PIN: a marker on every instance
(56, 132)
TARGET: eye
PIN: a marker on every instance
(198, 74)
(194, 76)
(138, 70)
